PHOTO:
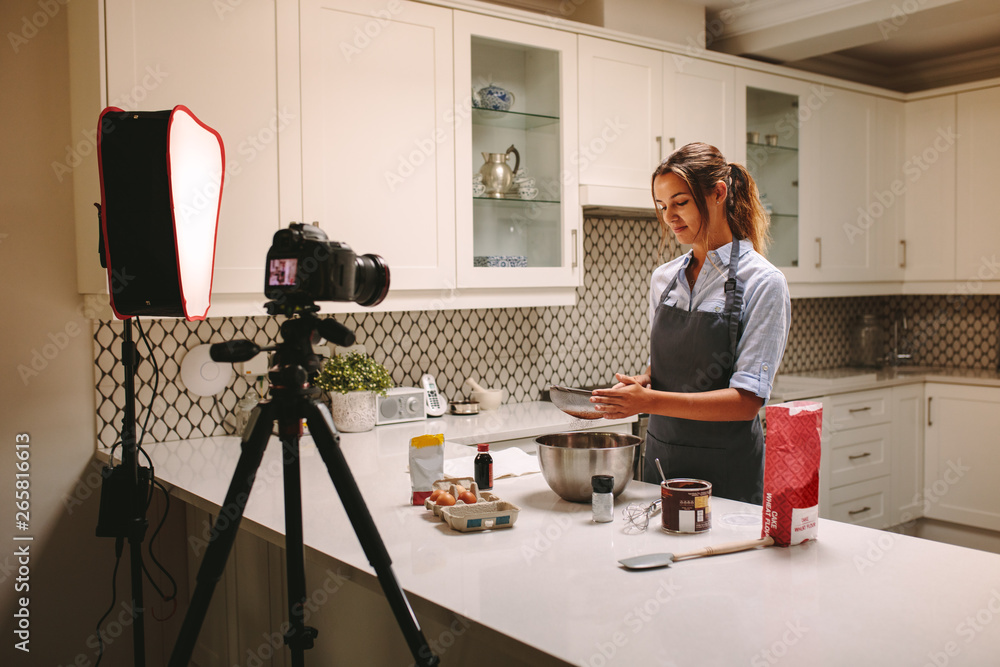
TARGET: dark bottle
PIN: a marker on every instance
(484, 467)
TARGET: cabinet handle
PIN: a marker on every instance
(854, 457)
(902, 264)
(819, 251)
(929, 422)
(573, 237)
(860, 511)
(659, 149)
(864, 409)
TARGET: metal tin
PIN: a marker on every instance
(686, 505)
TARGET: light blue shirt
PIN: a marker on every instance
(764, 319)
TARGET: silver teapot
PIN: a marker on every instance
(497, 174)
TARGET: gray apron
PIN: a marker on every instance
(694, 351)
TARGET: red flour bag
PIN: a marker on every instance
(791, 472)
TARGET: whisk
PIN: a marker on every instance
(637, 515)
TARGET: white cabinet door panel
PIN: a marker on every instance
(378, 126)
(977, 211)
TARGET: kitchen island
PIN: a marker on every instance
(549, 589)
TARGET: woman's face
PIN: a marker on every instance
(677, 208)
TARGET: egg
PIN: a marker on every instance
(446, 499)
(436, 493)
(468, 498)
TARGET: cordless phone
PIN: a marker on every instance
(433, 403)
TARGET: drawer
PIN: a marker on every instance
(862, 408)
(859, 454)
(864, 504)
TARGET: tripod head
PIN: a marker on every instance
(294, 364)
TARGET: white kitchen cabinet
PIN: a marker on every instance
(621, 115)
(776, 123)
(962, 455)
(883, 218)
(856, 458)
(978, 234)
(510, 241)
(378, 124)
(929, 179)
(700, 99)
(845, 168)
(871, 472)
(907, 462)
(219, 61)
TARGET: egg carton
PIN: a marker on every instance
(450, 485)
(488, 512)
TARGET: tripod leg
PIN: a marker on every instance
(223, 534)
(298, 637)
(323, 432)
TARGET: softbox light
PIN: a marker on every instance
(161, 188)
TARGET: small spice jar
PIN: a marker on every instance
(602, 501)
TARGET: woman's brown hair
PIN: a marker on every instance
(701, 166)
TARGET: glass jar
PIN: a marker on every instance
(867, 342)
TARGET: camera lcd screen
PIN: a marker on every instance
(282, 272)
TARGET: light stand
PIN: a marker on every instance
(161, 176)
(292, 400)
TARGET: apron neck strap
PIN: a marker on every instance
(734, 299)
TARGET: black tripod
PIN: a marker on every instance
(293, 399)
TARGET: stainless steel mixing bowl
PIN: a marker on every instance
(569, 460)
(575, 402)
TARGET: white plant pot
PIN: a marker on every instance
(354, 411)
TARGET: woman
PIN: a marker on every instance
(719, 319)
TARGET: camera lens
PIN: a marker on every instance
(371, 280)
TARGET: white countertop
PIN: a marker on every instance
(855, 597)
(811, 384)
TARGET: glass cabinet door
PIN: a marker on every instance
(773, 160)
(518, 219)
(777, 131)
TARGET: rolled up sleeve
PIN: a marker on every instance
(767, 317)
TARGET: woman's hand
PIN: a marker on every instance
(629, 397)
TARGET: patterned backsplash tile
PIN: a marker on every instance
(525, 349)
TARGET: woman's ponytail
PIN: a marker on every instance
(747, 217)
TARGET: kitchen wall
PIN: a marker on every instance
(526, 349)
(48, 361)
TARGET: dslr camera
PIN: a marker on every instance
(304, 266)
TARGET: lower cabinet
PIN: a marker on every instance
(870, 473)
(248, 603)
(962, 455)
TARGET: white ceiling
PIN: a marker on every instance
(904, 45)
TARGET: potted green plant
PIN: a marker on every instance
(352, 380)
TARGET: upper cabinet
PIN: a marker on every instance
(621, 119)
(699, 102)
(220, 62)
(841, 176)
(778, 134)
(378, 124)
(518, 217)
(977, 211)
(637, 106)
(929, 173)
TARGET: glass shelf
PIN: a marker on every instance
(777, 148)
(514, 201)
(514, 120)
